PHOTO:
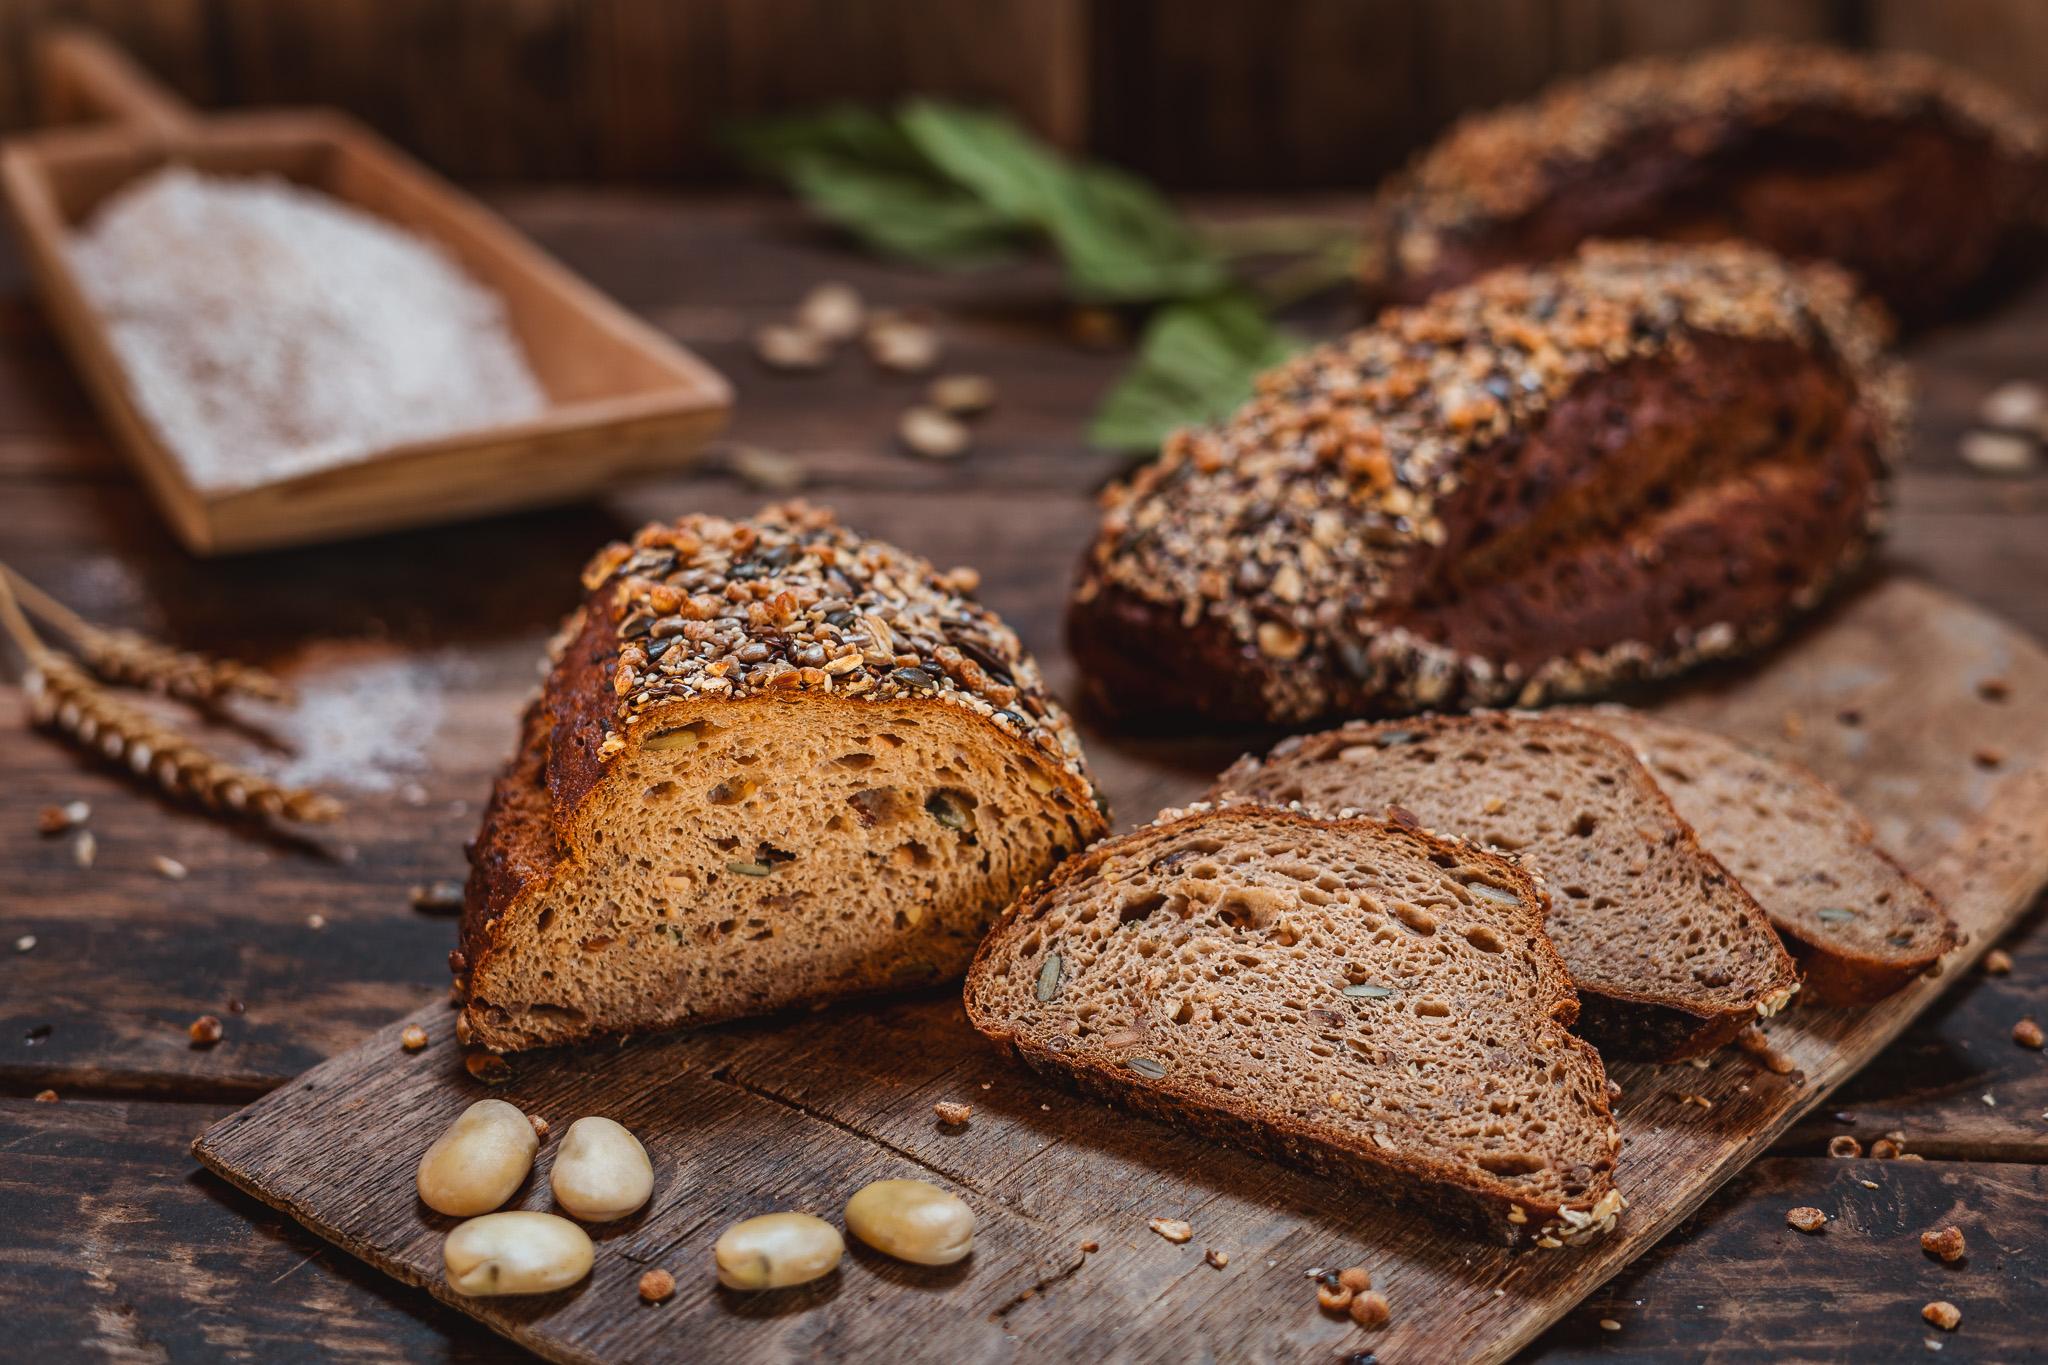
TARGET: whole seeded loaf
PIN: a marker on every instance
(772, 763)
(1858, 923)
(1535, 487)
(1924, 181)
(1369, 1001)
(1670, 954)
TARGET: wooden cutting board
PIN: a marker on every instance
(1931, 715)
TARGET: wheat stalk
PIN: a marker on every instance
(64, 697)
(129, 659)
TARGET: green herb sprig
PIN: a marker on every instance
(952, 187)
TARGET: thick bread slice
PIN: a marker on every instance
(1366, 1000)
(1670, 955)
(772, 763)
(1859, 924)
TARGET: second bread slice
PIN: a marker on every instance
(1363, 999)
(1859, 924)
(1670, 954)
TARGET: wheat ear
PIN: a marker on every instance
(65, 698)
(129, 659)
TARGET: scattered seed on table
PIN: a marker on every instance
(25, 943)
(413, 1039)
(1609, 1325)
(84, 848)
(1172, 1229)
(1943, 1314)
(1884, 1149)
(1998, 452)
(768, 470)
(46, 1097)
(932, 434)
(1217, 1259)
(1997, 962)
(1371, 1309)
(205, 1030)
(962, 395)
(316, 920)
(540, 1126)
(1090, 1248)
(832, 310)
(2019, 406)
(169, 868)
(1844, 1145)
(439, 897)
(782, 346)
(487, 1067)
(902, 344)
(2027, 1033)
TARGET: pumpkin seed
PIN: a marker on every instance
(1394, 738)
(1369, 992)
(1836, 914)
(749, 869)
(1147, 1067)
(1493, 893)
(1049, 978)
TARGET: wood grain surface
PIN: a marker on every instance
(799, 1113)
(435, 633)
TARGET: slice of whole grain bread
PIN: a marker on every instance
(1670, 954)
(1364, 999)
(1859, 924)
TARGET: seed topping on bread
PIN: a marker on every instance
(1318, 503)
(1500, 164)
(791, 601)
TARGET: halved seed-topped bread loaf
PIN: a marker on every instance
(772, 763)
(1670, 955)
(1859, 924)
(1366, 1000)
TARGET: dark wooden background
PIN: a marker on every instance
(1202, 94)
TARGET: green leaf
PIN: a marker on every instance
(858, 169)
(1196, 363)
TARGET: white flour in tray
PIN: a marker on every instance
(268, 330)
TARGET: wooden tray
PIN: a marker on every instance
(1887, 698)
(622, 398)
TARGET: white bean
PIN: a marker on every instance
(516, 1253)
(477, 1164)
(775, 1250)
(601, 1171)
(912, 1220)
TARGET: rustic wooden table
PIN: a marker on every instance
(413, 653)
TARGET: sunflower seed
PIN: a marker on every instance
(1368, 992)
(932, 434)
(749, 869)
(1049, 977)
(1147, 1067)
(1493, 893)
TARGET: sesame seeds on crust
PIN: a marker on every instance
(792, 602)
(1497, 165)
(1319, 503)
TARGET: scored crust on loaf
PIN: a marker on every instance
(772, 763)
(1658, 453)
(1859, 924)
(1670, 954)
(1918, 176)
(1366, 1000)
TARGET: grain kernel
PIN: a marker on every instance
(205, 1030)
(413, 1039)
(657, 1285)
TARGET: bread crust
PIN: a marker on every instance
(1923, 180)
(1490, 1210)
(934, 648)
(1621, 1021)
(1381, 531)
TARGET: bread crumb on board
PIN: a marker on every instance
(1806, 1218)
(1172, 1229)
(952, 1113)
(1943, 1314)
(1945, 1242)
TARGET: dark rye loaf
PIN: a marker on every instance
(1860, 926)
(773, 763)
(1671, 956)
(1531, 488)
(1922, 180)
(1368, 1001)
